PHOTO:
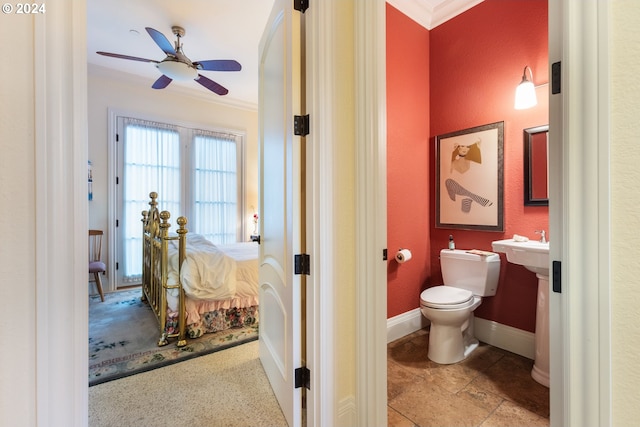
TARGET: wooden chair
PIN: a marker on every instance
(96, 266)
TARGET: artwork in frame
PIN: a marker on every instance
(469, 178)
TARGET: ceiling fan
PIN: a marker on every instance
(176, 66)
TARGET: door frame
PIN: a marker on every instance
(581, 148)
(61, 386)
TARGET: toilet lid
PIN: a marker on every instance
(445, 296)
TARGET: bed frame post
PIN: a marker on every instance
(164, 250)
(182, 245)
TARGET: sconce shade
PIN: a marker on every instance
(525, 92)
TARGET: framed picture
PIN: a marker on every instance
(470, 179)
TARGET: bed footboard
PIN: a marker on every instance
(155, 259)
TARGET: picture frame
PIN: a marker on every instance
(470, 178)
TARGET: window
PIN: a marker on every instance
(196, 173)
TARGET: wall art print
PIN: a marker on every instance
(470, 178)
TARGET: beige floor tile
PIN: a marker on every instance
(509, 414)
(429, 405)
(395, 419)
(412, 354)
(457, 376)
(511, 379)
(398, 379)
(482, 398)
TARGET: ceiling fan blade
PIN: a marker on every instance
(132, 58)
(161, 41)
(218, 65)
(162, 82)
(211, 85)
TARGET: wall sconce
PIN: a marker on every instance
(525, 92)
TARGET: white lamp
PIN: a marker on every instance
(525, 92)
(177, 70)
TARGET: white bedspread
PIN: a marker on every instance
(207, 273)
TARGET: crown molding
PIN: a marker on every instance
(431, 13)
(177, 88)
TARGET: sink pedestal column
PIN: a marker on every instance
(540, 371)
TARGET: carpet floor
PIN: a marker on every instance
(123, 336)
(227, 388)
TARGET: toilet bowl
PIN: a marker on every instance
(451, 336)
(468, 277)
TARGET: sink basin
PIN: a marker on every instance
(533, 255)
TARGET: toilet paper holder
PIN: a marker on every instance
(402, 255)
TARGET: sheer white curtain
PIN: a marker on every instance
(151, 162)
(215, 186)
(167, 159)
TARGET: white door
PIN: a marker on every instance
(280, 206)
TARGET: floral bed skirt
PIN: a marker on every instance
(216, 320)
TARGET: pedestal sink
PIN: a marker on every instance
(534, 256)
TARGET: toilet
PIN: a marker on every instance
(467, 278)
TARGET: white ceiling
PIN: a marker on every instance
(215, 29)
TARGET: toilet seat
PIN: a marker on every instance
(446, 297)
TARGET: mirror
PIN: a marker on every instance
(536, 171)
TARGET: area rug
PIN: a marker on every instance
(123, 336)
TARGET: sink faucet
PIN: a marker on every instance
(543, 236)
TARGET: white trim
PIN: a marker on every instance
(320, 79)
(61, 203)
(196, 94)
(404, 324)
(430, 15)
(579, 218)
(505, 337)
(371, 209)
(347, 412)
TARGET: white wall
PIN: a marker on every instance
(133, 95)
(625, 216)
(17, 222)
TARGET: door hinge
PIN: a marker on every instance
(117, 223)
(557, 276)
(301, 125)
(384, 254)
(556, 77)
(117, 265)
(303, 378)
(302, 264)
(301, 5)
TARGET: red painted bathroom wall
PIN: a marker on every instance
(461, 74)
(477, 60)
(408, 186)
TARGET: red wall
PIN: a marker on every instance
(475, 61)
(408, 186)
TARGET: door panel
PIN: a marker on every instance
(280, 206)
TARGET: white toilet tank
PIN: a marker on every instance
(476, 273)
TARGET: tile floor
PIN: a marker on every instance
(492, 387)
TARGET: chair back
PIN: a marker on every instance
(95, 245)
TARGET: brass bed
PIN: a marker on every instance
(187, 308)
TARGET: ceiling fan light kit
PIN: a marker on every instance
(177, 70)
(176, 65)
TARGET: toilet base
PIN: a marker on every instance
(450, 344)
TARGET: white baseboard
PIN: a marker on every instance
(506, 337)
(496, 334)
(347, 411)
(405, 324)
